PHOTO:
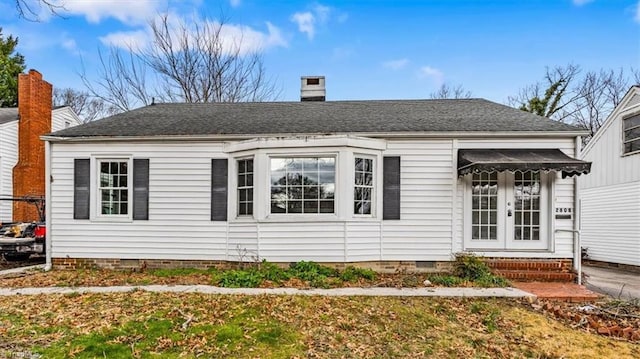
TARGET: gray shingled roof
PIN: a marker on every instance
(261, 118)
(8, 114)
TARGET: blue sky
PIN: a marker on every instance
(366, 49)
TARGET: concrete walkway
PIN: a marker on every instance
(207, 289)
(613, 282)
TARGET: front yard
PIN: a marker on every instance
(146, 325)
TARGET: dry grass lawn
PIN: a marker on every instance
(150, 325)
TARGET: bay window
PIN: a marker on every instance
(245, 187)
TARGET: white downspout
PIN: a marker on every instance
(577, 212)
(47, 203)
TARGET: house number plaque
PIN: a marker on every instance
(563, 212)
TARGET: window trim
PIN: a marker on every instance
(96, 199)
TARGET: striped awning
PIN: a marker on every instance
(512, 160)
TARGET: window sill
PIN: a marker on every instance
(112, 219)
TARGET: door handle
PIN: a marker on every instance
(509, 213)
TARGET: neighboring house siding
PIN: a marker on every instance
(611, 223)
(180, 226)
(610, 195)
(8, 159)
(60, 117)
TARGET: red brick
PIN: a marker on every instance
(34, 109)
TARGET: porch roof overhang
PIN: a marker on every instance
(512, 160)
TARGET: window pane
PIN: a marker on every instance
(294, 207)
(632, 121)
(123, 208)
(278, 207)
(123, 181)
(359, 164)
(294, 164)
(368, 165)
(632, 146)
(311, 192)
(327, 191)
(123, 168)
(326, 206)
(249, 182)
(278, 178)
(241, 180)
(242, 167)
(310, 164)
(310, 206)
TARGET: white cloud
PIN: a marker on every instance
(432, 74)
(234, 3)
(396, 64)
(306, 23)
(136, 39)
(247, 38)
(128, 12)
(581, 2)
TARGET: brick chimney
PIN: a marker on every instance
(34, 120)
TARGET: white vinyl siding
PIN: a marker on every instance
(8, 159)
(611, 223)
(179, 225)
(610, 194)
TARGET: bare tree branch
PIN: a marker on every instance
(183, 63)
(450, 91)
(584, 100)
(31, 9)
(88, 108)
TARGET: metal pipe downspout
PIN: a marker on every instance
(577, 212)
(47, 190)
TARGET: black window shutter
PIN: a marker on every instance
(391, 188)
(81, 175)
(140, 189)
(219, 174)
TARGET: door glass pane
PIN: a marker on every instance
(526, 193)
(484, 214)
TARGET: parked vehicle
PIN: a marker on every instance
(18, 241)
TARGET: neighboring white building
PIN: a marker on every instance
(346, 181)
(610, 196)
(61, 117)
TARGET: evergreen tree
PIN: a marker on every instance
(11, 64)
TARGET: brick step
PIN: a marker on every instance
(536, 275)
(529, 265)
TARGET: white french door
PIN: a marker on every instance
(507, 211)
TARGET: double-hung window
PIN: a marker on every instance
(631, 139)
(245, 187)
(113, 187)
(303, 185)
(363, 185)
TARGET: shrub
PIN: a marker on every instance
(470, 267)
(351, 274)
(311, 271)
(272, 272)
(240, 278)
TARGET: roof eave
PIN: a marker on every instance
(408, 134)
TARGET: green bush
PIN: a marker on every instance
(272, 272)
(351, 274)
(240, 278)
(446, 280)
(311, 271)
(472, 268)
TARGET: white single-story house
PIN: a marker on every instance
(37, 123)
(610, 196)
(386, 183)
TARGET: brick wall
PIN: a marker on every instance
(135, 264)
(34, 111)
